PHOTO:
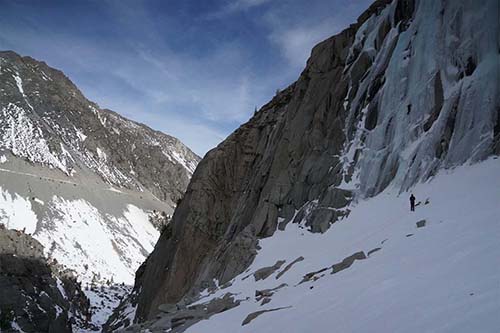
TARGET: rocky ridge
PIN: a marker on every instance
(46, 120)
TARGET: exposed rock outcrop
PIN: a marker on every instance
(254, 315)
(265, 272)
(34, 297)
(176, 319)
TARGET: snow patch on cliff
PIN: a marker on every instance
(190, 166)
(19, 83)
(25, 139)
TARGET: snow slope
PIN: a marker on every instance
(442, 277)
(110, 246)
(16, 212)
(83, 239)
(99, 233)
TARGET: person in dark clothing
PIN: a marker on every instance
(412, 202)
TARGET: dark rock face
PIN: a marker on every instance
(360, 117)
(30, 296)
(421, 223)
(33, 298)
(66, 131)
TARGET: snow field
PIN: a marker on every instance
(442, 277)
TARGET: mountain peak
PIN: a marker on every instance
(84, 181)
(69, 130)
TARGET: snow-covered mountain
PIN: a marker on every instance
(299, 221)
(82, 180)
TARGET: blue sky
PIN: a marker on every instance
(192, 69)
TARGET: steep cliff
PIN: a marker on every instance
(408, 90)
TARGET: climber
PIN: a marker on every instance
(412, 202)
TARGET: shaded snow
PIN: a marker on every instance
(60, 287)
(104, 299)
(16, 327)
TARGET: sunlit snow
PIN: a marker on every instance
(442, 277)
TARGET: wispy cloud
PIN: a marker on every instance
(239, 5)
(295, 36)
(197, 99)
(196, 80)
(295, 43)
(233, 7)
